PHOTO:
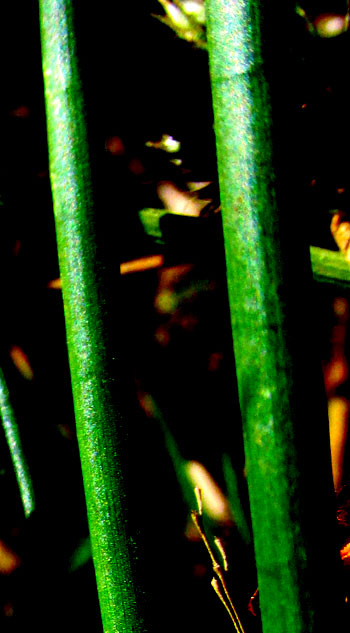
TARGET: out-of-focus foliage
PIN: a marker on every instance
(186, 18)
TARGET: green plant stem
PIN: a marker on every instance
(13, 439)
(95, 380)
(283, 408)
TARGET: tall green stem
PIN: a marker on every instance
(96, 391)
(285, 428)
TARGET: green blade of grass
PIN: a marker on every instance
(238, 514)
(178, 462)
(279, 381)
(94, 374)
(13, 439)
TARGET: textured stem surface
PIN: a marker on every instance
(96, 391)
(281, 408)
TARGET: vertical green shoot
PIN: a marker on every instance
(286, 475)
(13, 439)
(95, 383)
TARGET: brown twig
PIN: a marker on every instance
(222, 591)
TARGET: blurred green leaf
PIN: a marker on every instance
(150, 221)
(234, 499)
(81, 555)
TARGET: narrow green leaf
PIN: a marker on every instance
(178, 461)
(279, 380)
(13, 439)
(234, 499)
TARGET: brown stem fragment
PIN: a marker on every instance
(222, 591)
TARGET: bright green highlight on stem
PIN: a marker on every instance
(95, 392)
(13, 439)
(270, 399)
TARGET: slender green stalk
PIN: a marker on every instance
(13, 439)
(96, 388)
(285, 427)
